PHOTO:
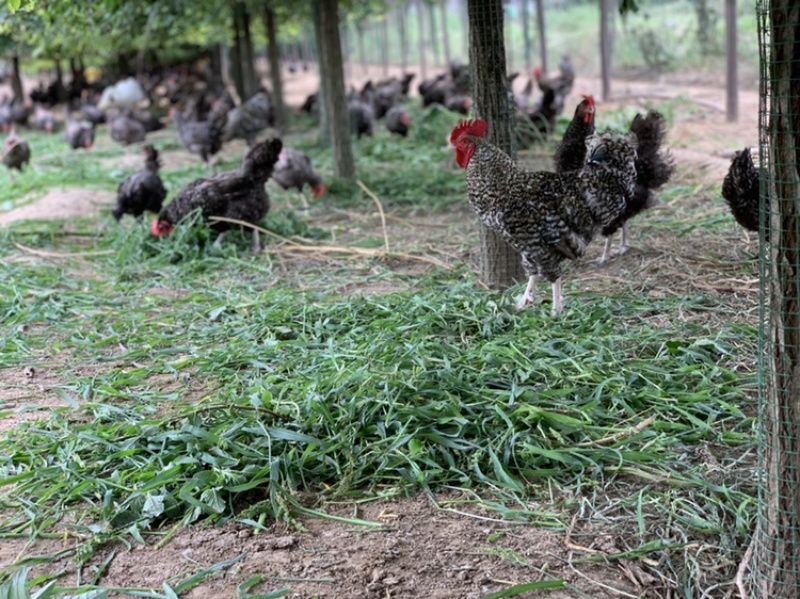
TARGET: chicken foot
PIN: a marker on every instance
(527, 297)
(617, 251)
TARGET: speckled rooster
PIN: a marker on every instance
(547, 217)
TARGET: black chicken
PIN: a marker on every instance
(16, 152)
(740, 190)
(126, 129)
(250, 118)
(571, 152)
(236, 194)
(294, 171)
(654, 167)
(142, 190)
(203, 138)
(397, 120)
(79, 134)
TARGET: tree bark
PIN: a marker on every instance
(526, 35)
(501, 266)
(383, 45)
(16, 81)
(362, 52)
(605, 49)
(322, 106)
(423, 62)
(236, 53)
(273, 57)
(61, 91)
(250, 78)
(542, 36)
(778, 560)
(732, 84)
(445, 31)
(401, 21)
(333, 72)
(437, 57)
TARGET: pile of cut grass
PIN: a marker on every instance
(198, 388)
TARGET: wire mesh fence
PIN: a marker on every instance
(777, 542)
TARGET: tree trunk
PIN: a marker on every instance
(464, 11)
(250, 78)
(362, 52)
(423, 63)
(437, 57)
(333, 72)
(401, 22)
(778, 560)
(445, 31)
(542, 37)
(526, 35)
(61, 91)
(383, 45)
(732, 84)
(16, 82)
(500, 264)
(76, 69)
(273, 57)
(605, 49)
(322, 104)
(236, 53)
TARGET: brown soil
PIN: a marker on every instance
(450, 550)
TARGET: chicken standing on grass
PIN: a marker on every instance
(547, 217)
(16, 152)
(740, 190)
(294, 171)
(654, 167)
(236, 194)
(143, 190)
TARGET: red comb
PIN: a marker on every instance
(476, 127)
(589, 99)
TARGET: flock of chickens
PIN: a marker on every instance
(601, 180)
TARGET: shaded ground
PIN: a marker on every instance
(419, 549)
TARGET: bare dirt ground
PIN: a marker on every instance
(447, 551)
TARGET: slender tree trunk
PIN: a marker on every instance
(526, 34)
(732, 84)
(16, 81)
(384, 43)
(605, 49)
(273, 57)
(464, 28)
(445, 31)
(401, 22)
(322, 104)
(437, 58)
(332, 70)
(500, 264)
(542, 36)
(61, 91)
(423, 63)
(250, 77)
(236, 53)
(362, 52)
(778, 558)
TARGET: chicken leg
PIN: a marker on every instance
(617, 251)
(558, 298)
(527, 297)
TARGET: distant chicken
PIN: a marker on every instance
(203, 138)
(571, 152)
(740, 188)
(142, 190)
(560, 82)
(247, 120)
(44, 119)
(654, 167)
(294, 171)
(79, 134)
(126, 129)
(397, 121)
(16, 152)
(236, 194)
(547, 217)
(362, 117)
